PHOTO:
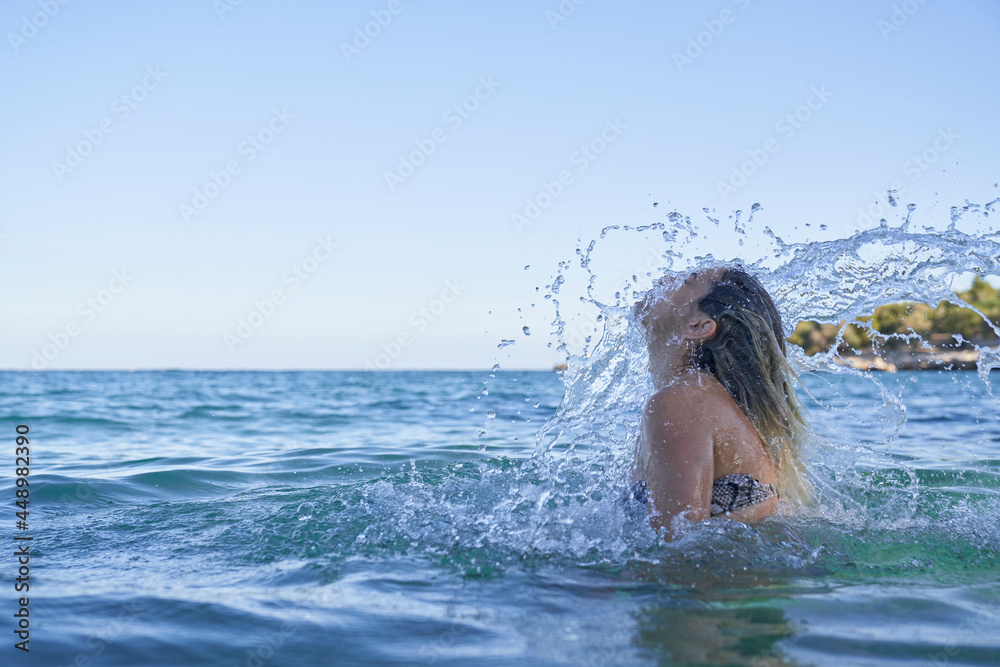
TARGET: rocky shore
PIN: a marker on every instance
(910, 360)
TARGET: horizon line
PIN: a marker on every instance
(277, 370)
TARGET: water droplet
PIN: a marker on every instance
(305, 511)
(496, 367)
(526, 330)
(823, 227)
(527, 266)
(504, 343)
(490, 414)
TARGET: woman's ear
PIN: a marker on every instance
(702, 329)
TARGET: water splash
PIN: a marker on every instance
(885, 499)
(592, 434)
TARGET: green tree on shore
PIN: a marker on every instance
(899, 324)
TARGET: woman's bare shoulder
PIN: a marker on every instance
(693, 391)
(678, 429)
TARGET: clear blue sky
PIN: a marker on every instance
(328, 123)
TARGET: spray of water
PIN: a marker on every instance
(880, 508)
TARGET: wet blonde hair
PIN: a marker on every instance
(747, 355)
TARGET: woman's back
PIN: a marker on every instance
(693, 430)
(722, 433)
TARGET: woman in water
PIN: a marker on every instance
(721, 434)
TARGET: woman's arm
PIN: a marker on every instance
(677, 435)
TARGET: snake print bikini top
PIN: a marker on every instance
(730, 492)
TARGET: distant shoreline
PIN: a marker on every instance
(908, 360)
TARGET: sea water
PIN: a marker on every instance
(458, 518)
(249, 518)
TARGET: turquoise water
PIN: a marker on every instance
(413, 518)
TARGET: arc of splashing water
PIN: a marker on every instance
(828, 281)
